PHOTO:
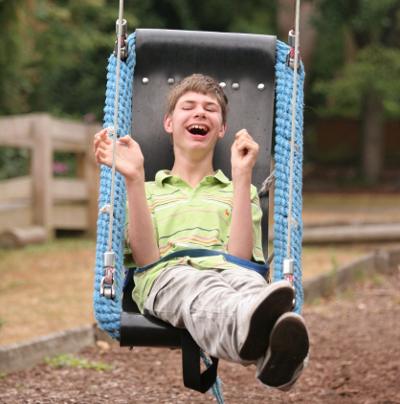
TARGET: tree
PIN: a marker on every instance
(15, 53)
(256, 16)
(367, 83)
(74, 39)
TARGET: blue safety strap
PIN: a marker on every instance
(262, 269)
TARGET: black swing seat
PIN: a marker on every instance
(144, 330)
(244, 64)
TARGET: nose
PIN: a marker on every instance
(199, 112)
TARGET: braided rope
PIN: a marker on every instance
(216, 388)
(283, 114)
(108, 311)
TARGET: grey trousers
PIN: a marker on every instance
(213, 306)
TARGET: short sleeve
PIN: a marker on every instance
(128, 258)
(258, 255)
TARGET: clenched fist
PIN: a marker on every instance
(244, 154)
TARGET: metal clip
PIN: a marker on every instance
(107, 284)
(291, 54)
(288, 273)
(123, 39)
(288, 269)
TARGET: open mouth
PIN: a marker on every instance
(200, 130)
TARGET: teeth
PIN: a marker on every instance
(201, 127)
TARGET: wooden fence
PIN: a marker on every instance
(41, 200)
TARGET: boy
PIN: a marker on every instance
(230, 311)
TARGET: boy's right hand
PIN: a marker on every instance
(129, 159)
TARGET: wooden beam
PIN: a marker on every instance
(15, 188)
(350, 234)
(42, 173)
(15, 131)
(17, 214)
(70, 216)
(92, 178)
(22, 236)
(68, 136)
(69, 189)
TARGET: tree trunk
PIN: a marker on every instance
(372, 137)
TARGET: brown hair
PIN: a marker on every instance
(198, 83)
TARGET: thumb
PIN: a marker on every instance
(125, 140)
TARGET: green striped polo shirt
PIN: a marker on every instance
(185, 217)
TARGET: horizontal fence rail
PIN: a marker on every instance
(40, 199)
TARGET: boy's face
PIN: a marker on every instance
(196, 122)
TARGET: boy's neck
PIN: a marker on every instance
(192, 171)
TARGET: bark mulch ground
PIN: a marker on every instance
(355, 358)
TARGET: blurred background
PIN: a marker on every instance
(53, 57)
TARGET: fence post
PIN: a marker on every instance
(41, 171)
(91, 173)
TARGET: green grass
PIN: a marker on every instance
(70, 361)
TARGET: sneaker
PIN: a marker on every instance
(276, 300)
(287, 353)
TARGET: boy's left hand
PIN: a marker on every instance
(244, 154)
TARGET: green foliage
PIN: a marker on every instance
(375, 69)
(13, 162)
(70, 361)
(75, 40)
(364, 56)
(14, 57)
(255, 16)
(53, 52)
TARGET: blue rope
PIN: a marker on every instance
(216, 388)
(108, 311)
(283, 119)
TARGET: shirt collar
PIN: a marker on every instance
(163, 175)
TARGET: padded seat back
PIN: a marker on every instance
(244, 62)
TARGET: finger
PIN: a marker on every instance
(244, 142)
(98, 134)
(102, 157)
(126, 140)
(243, 133)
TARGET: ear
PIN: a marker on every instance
(222, 131)
(168, 124)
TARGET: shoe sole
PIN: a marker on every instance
(276, 303)
(288, 348)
